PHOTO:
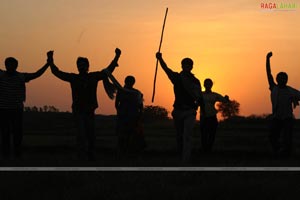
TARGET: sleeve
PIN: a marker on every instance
(271, 81)
(173, 76)
(62, 75)
(269, 74)
(27, 77)
(220, 98)
(99, 75)
(295, 94)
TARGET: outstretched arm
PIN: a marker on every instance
(54, 69)
(220, 98)
(163, 64)
(268, 68)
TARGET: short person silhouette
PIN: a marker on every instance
(208, 119)
(129, 106)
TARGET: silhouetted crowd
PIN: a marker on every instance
(188, 93)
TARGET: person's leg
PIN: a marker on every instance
(213, 124)
(274, 135)
(132, 136)
(123, 136)
(91, 137)
(119, 132)
(204, 132)
(140, 140)
(80, 139)
(5, 123)
(189, 123)
(179, 126)
(17, 131)
(288, 127)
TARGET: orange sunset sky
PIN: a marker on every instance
(228, 41)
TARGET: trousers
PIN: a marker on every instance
(184, 121)
(11, 126)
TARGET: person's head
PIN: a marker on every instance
(208, 83)
(11, 64)
(282, 79)
(82, 64)
(187, 64)
(129, 81)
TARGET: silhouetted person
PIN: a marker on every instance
(12, 98)
(84, 100)
(282, 97)
(129, 106)
(188, 96)
(208, 120)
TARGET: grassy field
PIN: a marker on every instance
(49, 141)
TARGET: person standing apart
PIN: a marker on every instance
(284, 98)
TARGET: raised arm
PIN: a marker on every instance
(163, 65)
(268, 69)
(54, 69)
(31, 76)
(114, 63)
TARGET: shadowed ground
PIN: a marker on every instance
(52, 144)
(49, 141)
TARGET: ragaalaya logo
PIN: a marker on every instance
(279, 6)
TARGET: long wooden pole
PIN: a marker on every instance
(161, 39)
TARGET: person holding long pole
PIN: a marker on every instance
(188, 96)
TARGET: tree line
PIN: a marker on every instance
(227, 110)
(44, 108)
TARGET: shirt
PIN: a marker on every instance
(282, 101)
(209, 103)
(12, 89)
(184, 98)
(129, 103)
(84, 88)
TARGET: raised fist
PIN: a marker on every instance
(269, 55)
(118, 52)
(50, 56)
(158, 55)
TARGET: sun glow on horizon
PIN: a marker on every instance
(228, 42)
